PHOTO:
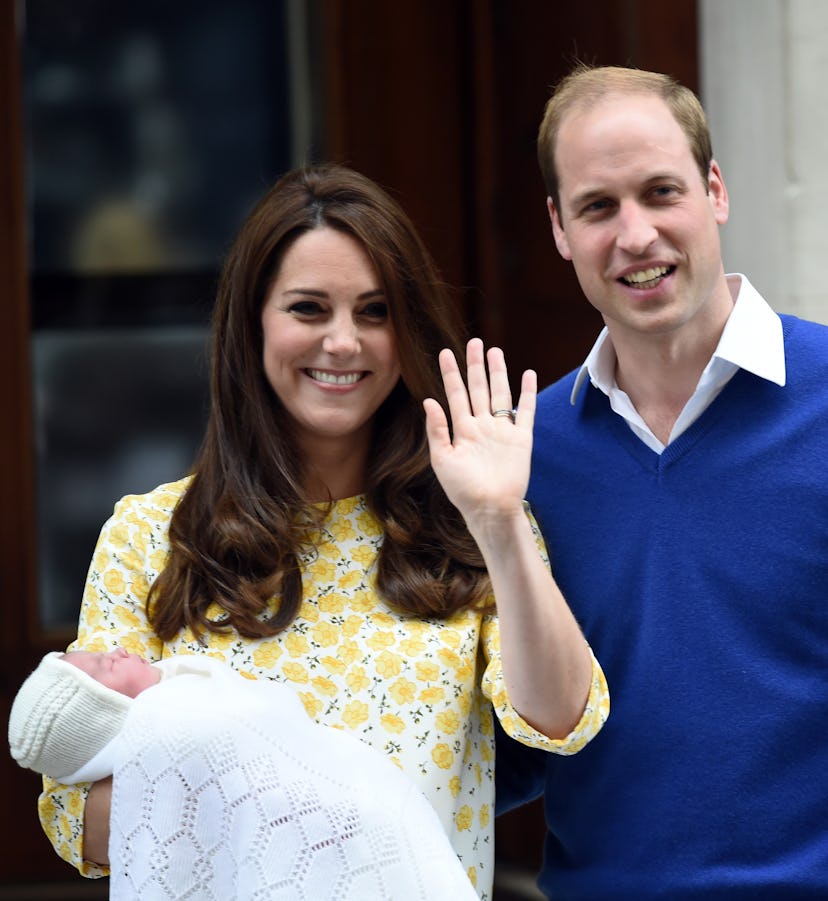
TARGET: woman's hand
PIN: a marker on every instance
(483, 461)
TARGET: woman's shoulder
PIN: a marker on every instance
(161, 499)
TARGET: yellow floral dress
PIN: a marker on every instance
(416, 690)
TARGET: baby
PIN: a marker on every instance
(73, 705)
(209, 765)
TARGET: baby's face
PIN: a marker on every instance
(119, 670)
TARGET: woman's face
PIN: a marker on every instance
(329, 349)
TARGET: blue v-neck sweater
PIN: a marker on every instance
(700, 578)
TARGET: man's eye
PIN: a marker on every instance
(596, 208)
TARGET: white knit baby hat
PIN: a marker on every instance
(61, 717)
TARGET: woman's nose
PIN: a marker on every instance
(342, 338)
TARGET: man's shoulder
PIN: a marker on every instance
(559, 391)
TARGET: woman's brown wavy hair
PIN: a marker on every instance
(238, 531)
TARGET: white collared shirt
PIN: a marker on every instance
(751, 339)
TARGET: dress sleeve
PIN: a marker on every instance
(595, 712)
(131, 551)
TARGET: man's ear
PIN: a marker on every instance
(558, 230)
(717, 191)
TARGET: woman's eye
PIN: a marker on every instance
(377, 310)
(305, 308)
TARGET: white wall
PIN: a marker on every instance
(764, 84)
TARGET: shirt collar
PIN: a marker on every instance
(751, 339)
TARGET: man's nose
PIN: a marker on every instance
(636, 231)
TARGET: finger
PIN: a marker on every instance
(479, 394)
(525, 414)
(455, 388)
(500, 390)
(436, 426)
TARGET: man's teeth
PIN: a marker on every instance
(646, 278)
(332, 378)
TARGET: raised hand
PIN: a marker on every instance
(483, 461)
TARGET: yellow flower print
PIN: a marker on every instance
(381, 618)
(464, 703)
(450, 638)
(448, 721)
(325, 634)
(324, 686)
(347, 505)
(367, 524)
(486, 720)
(464, 818)
(484, 816)
(119, 535)
(364, 555)
(309, 612)
(343, 530)
(354, 714)
(486, 752)
(313, 706)
(94, 616)
(417, 627)
(295, 672)
(442, 755)
(363, 600)
(114, 581)
(357, 680)
(388, 665)
(472, 874)
(333, 665)
(392, 723)
(46, 807)
(139, 541)
(100, 559)
(403, 691)
(126, 618)
(74, 804)
(432, 695)
(266, 654)
(413, 647)
(131, 560)
(427, 671)
(322, 571)
(140, 587)
(329, 550)
(332, 603)
(349, 651)
(134, 645)
(351, 579)
(65, 827)
(381, 640)
(352, 625)
(158, 560)
(465, 672)
(449, 658)
(296, 644)
(454, 786)
(223, 640)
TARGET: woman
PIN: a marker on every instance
(334, 537)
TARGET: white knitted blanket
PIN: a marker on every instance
(225, 789)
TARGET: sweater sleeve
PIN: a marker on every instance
(595, 712)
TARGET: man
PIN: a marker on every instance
(680, 478)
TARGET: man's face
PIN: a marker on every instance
(637, 220)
